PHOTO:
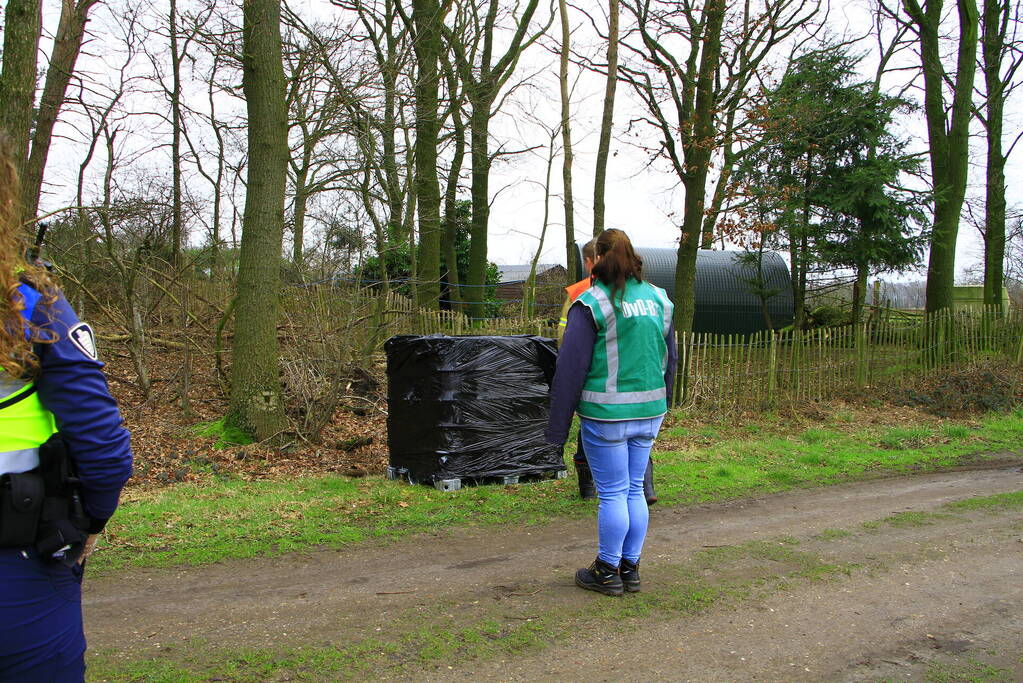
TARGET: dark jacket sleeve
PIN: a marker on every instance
(574, 358)
(669, 371)
(72, 386)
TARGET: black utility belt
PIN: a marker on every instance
(42, 508)
(22, 498)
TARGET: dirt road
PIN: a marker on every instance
(876, 580)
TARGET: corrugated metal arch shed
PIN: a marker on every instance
(724, 302)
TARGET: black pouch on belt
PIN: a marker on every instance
(21, 503)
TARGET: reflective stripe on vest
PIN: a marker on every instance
(629, 387)
(610, 340)
(25, 425)
(624, 397)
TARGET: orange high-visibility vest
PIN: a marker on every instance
(578, 288)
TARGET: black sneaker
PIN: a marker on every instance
(629, 572)
(600, 577)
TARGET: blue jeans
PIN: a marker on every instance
(618, 453)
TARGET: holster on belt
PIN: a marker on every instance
(62, 521)
(21, 505)
(43, 507)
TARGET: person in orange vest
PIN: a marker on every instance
(587, 490)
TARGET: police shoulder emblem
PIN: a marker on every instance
(82, 337)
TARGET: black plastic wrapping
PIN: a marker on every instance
(469, 407)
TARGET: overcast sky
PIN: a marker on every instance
(642, 199)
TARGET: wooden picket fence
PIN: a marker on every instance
(366, 319)
(726, 371)
(407, 318)
(769, 369)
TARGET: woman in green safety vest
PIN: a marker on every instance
(615, 366)
(56, 413)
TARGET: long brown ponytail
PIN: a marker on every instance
(617, 261)
(16, 356)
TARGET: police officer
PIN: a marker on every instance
(64, 457)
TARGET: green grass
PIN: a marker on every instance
(901, 438)
(226, 434)
(733, 468)
(227, 517)
(833, 534)
(954, 431)
(907, 520)
(999, 501)
(816, 436)
(204, 523)
(972, 671)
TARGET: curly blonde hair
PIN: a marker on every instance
(16, 355)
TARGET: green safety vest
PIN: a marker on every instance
(630, 356)
(25, 425)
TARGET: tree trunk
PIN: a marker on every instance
(23, 20)
(388, 71)
(995, 21)
(859, 294)
(66, 47)
(607, 119)
(129, 276)
(300, 206)
(529, 291)
(721, 188)
(571, 256)
(451, 211)
(177, 222)
(256, 401)
(794, 267)
(426, 17)
(175, 102)
(801, 255)
(697, 152)
(479, 126)
(949, 140)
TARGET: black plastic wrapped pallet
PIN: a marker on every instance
(469, 407)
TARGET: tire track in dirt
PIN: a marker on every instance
(338, 597)
(941, 597)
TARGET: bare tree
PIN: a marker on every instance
(948, 126)
(566, 141)
(256, 401)
(690, 85)
(74, 14)
(23, 22)
(692, 98)
(318, 117)
(484, 77)
(1001, 59)
(607, 117)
